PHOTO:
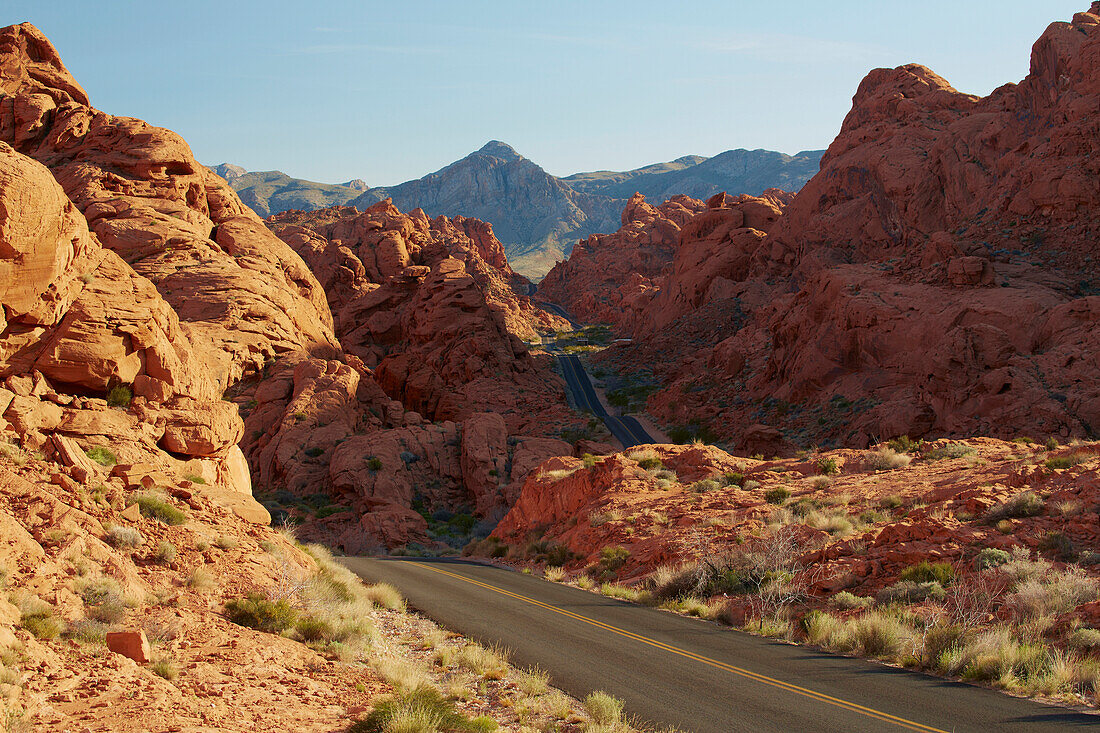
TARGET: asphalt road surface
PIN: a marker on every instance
(627, 430)
(676, 671)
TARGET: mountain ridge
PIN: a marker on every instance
(538, 216)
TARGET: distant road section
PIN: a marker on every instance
(626, 430)
(696, 676)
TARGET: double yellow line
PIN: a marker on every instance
(763, 679)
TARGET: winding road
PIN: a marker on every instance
(626, 429)
(677, 671)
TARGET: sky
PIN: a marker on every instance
(331, 90)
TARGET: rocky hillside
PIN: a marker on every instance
(539, 217)
(937, 277)
(273, 192)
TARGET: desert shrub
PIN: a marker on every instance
(200, 579)
(613, 558)
(848, 601)
(952, 450)
(1058, 545)
(1052, 443)
(938, 639)
(751, 485)
(777, 495)
(488, 663)
(551, 553)
(533, 682)
(164, 667)
(1024, 504)
(88, 631)
(374, 463)
(909, 591)
(123, 537)
(39, 618)
(157, 507)
(886, 459)
(822, 628)
(875, 634)
(903, 444)
(259, 612)
(834, 523)
(704, 485)
(119, 396)
(650, 463)
(995, 654)
(820, 482)
(226, 542)
(554, 573)
(1085, 639)
(604, 709)
(384, 595)
(1066, 461)
(102, 455)
(890, 502)
(420, 710)
(165, 553)
(827, 466)
(928, 572)
(310, 628)
(1052, 593)
(733, 478)
(195, 479)
(991, 557)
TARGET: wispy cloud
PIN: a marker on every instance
(339, 48)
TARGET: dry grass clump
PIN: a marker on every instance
(489, 663)
(123, 537)
(155, 506)
(201, 579)
(554, 573)
(419, 710)
(1024, 504)
(165, 553)
(558, 474)
(604, 708)
(886, 459)
(384, 595)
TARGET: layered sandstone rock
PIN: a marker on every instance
(921, 283)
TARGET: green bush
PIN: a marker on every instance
(991, 557)
(650, 463)
(612, 558)
(909, 591)
(903, 444)
(313, 629)
(1066, 461)
(733, 478)
(952, 450)
(258, 612)
(101, 455)
(119, 396)
(374, 463)
(777, 495)
(702, 486)
(589, 460)
(157, 507)
(422, 709)
(929, 572)
(827, 467)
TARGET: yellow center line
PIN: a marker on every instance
(764, 679)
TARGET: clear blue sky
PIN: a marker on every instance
(386, 91)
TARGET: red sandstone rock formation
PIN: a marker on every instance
(935, 278)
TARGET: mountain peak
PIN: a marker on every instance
(497, 149)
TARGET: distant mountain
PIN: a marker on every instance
(273, 192)
(538, 216)
(734, 171)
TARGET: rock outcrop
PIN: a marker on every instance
(936, 277)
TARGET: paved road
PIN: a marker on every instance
(677, 671)
(627, 430)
